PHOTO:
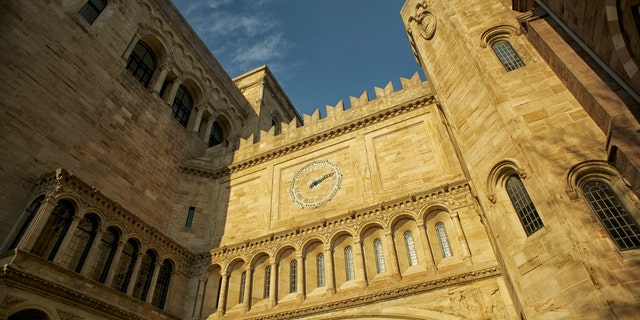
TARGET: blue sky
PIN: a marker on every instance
(320, 51)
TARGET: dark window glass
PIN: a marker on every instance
(507, 55)
(192, 211)
(613, 215)
(267, 282)
(243, 281)
(143, 282)
(31, 211)
(125, 269)
(216, 137)
(162, 285)
(142, 63)
(29, 314)
(106, 251)
(92, 9)
(292, 276)
(182, 105)
(527, 212)
(54, 231)
(82, 240)
(276, 125)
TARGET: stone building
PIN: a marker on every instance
(139, 181)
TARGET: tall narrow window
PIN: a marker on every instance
(292, 276)
(243, 281)
(142, 63)
(143, 283)
(106, 251)
(276, 127)
(444, 240)
(82, 241)
(125, 269)
(377, 247)
(507, 55)
(320, 268)
(31, 211)
(525, 209)
(54, 231)
(613, 215)
(348, 262)
(411, 249)
(162, 285)
(267, 282)
(182, 105)
(217, 136)
(92, 9)
(190, 214)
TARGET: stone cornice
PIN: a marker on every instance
(325, 135)
(377, 297)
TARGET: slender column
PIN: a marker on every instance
(299, 277)
(223, 295)
(361, 278)
(37, 225)
(198, 118)
(86, 270)
(135, 273)
(154, 281)
(393, 257)
(114, 264)
(464, 245)
(328, 271)
(273, 285)
(247, 289)
(424, 240)
(170, 95)
(64, 245)
(207, 130)
(159, 81)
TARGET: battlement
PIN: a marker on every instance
(336, 116)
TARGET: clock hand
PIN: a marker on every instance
(319, 180)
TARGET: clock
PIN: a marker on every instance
(315, 184)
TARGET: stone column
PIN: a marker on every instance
(135, 273)
(393, 257)
(361, 277)
(223, 295)
(207, 130)
(64, 245)
(273, 286)
(170, 94)
(328, 271)
(247, 289)
(115, 263)
(198, 118)
(159, 81)
(37, 225)
(86, 271)
(299, 277)
(154, 281)
(424, 240)
(462, 240)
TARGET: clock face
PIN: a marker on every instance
(316, 183)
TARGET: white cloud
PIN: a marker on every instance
(262, 51)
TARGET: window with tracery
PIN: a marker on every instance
(92, 9)
(507, 55)
(143, 283)
(142, 63)
(106, 252)
(444, 240)
(182, 104)
(243, 280)
(162, 285)
(32, 211)
(292, 276)
(411, 249)
(377, 247)
(267, 282)
(125, 269)
(348, 261)
(320, 268)
(525, 209)
(54, 231)
(81, 242)
(613, 215)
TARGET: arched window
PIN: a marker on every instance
(320, 267)
(377, 247)
(243, 281)
(142, 63)
(276, 127)
(507, 55)
(82, 241)
(182, 105)
(525, 209)
(143, 283)
(292, 276)
(54, 231)
(613, 215)
(29, 314)
(217, 136)
(444, 240)
(92, 9)
(348, 262)
(106, 251)
(411, 248)
(162, 285)
(125, 269)
(267, 282)
(31, 213)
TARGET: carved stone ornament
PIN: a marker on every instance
(426, 20)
